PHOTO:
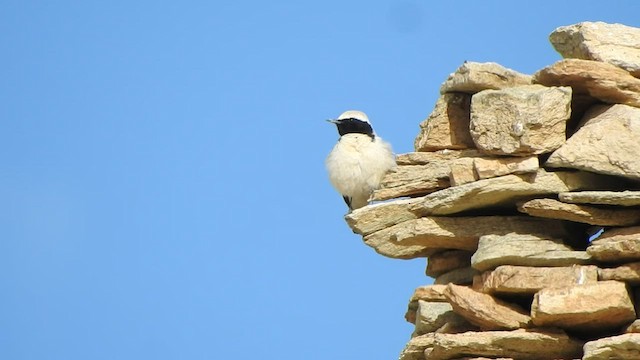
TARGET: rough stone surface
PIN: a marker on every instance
(617, 245)
(418, 237)
(590, 307)
(504, 191)
(433, 315)
(522, 280)
(484, 310)
(629, 273)
(605, 82)
(621, 347)
(462, 172)
(554, 209)
(372, 218)
(473, 77)
(608, 142)
(412, 180)
(522, 120)
(414, 350)
(634, 327)
(445, 261)
(429, 293)
(524, 250)
(447, 127)
(493, 167)
(422, 158)
(518, 344)
(458, 276)
(616, 44)
(619, 198)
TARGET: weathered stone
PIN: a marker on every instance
(629, 273)
(433, 293)
(493, 167)
(422, 158)
(600, 80)
(522, 120)
(412, 180)
(616, 44)
(524, 250)
(518, 344)
(621, 347)
(447, 127)
(633, 328)
(462, 172)
(617, 245)
(414, 350)
(504, 191)
(433, 315)
(455, 327)
(597, 306)
(522, 280)
(484, 310)
(419, 237)
(608, 142)
(554, 209)
(372, 218)
(445, 261)
(619, 198)
(461, 276)
(473, 77)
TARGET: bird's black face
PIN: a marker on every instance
(353, 126)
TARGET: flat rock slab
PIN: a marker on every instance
(414, 350)
(517, 344)
(621, 347)
(447, 127)
(460, 276)
(629, 273)
(412, 180)
(422, 236)
(616, 44)
(445, 261)
(605, 82)
(522, 120)
(433, 315)
(422, 158)
(617, 245)
(487, 168)
(554, 209)
(485, 311)
(524, 250)
(590, 307)
(618, 198)
(525, 280)
(608, 143)
(472, 77)
(504, 190)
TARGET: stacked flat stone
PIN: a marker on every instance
(512, 179)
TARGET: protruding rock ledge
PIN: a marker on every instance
(472, 77)
(617, 198)
(553, 209)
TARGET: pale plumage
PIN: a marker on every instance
(359, 160)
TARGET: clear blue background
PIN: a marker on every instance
(162, 185)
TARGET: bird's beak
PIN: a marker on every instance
(333, 121)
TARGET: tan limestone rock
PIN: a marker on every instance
(418, 237)
(462, 172)
(472, 77)
(434, 293)
(445, 261)
(414, 350)
(518, 344)
(619, 198)
(621, 347)
(590, 307)
(412, 180)
(634, 327)
(522, 120)
(616, 44)
(447, 127)
(493, 167)
(484, 310)
(617, 245)
(422, 158)
(608, 143)
(504, 190)
(524, 280)
(372, 218)
(524, 250)
(433, 315)
(600, 80)
(629, 273)
(554, 209)
(461, 276)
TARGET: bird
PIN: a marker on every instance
(359, 160)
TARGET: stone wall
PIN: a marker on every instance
(523, 195)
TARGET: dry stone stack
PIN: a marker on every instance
(524, 196)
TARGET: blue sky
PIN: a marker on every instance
(162, 188)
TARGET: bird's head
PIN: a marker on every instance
(353, 122)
